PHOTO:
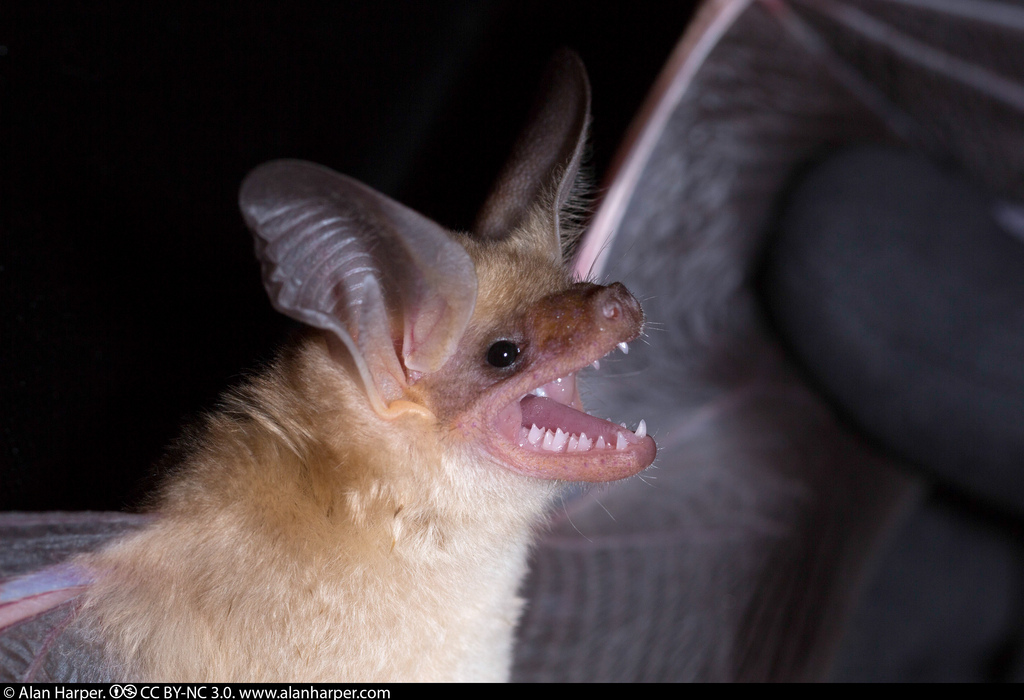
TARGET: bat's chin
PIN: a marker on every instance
(547, 434)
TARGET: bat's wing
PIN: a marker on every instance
(738, 556)
(39, 590)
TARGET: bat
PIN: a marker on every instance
(744, 555)
(363, 509)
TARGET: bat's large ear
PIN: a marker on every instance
(340, 256)
(546, 158)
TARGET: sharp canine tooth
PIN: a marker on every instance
(641, 430)
(596, 364)
(620, 441)
(624, 348)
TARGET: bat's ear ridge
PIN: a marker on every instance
(341, 256)
(546, 158)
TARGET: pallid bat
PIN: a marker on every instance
(744, 557)
(363, 509)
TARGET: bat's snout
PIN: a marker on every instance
(587, 313)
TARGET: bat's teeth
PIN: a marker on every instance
(624, 348)
(535, 435)
(620, 441)
(596, 364)
(563, 442)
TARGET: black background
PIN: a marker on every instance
(130, 294)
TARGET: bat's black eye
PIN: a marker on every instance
(502, 354)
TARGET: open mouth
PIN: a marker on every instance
(553, 436)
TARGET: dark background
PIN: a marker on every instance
(130, 294)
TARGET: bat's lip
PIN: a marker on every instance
(542, 430)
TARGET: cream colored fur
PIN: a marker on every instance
(303, 537)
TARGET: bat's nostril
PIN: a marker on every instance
(618, 304)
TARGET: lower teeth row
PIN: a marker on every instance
(559, 441)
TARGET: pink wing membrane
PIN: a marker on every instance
(26, 596)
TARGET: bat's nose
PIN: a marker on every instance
(607, 312)
(614, 304)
